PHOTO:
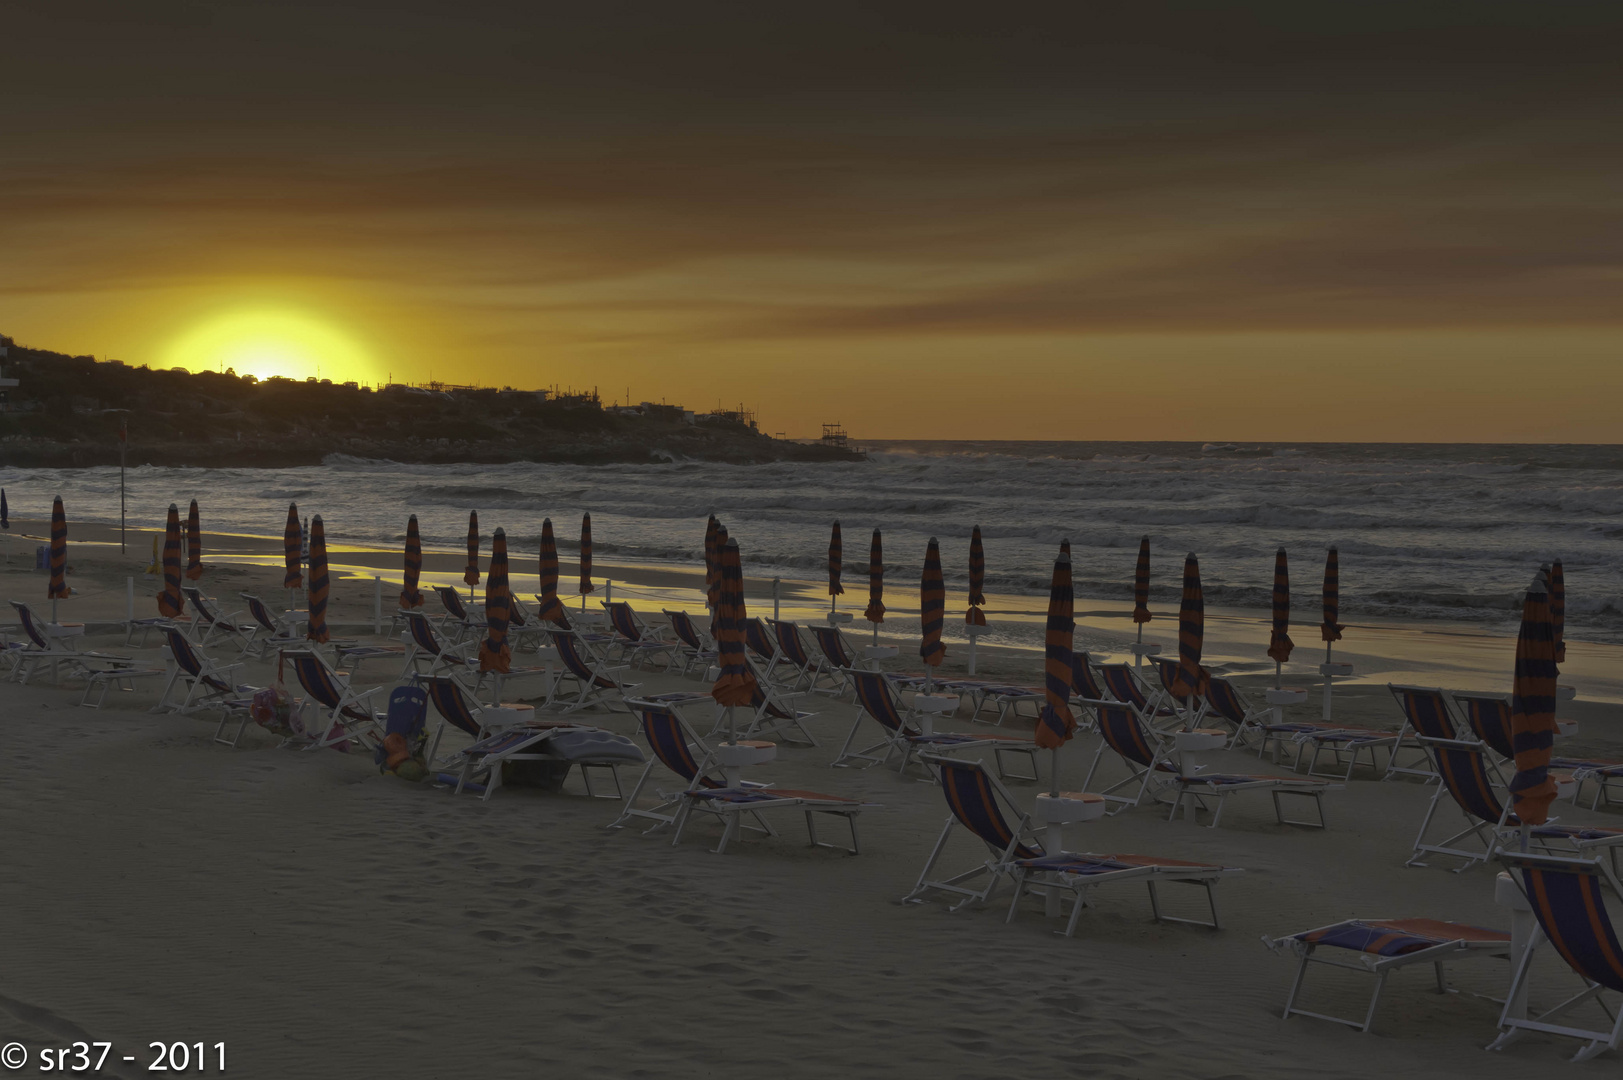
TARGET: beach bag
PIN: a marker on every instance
(272, 709)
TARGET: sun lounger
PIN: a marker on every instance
(120, 676)
(211, 621)
(693, 646)
(1230, 706)
(1568, 897)
(457, 620)
(812, 672)
(1121, 683)
(1191, 708)
(633, 640)
(272, 632)
(590, 679)
(46, 647)
(426, 648)
(207, 682)
(976, 801)
(349, 712)
(773, 711)
(1345, 745)
(762, 644)
(903, 736)
(1427, 714)
(1146, 753)
(1489, 717)
(1380, 947)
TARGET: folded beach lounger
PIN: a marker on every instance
(212, 622)
(206, 682)
(1344, 746)
(1007, 698)
(633, 640)
(1196, 789)
(976, 802)
(1568, 897)
(118, 676)
(561, 745)
(903, 736)
(1121, 684)
(694, 646)
(1381, 946)
(1473, 783)
(348, 712)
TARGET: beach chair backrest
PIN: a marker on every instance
(1225, 700)
(973, 801)
(1121, 731)
(30, 627)
(1121, 684)
(877, 699)
(408, 708)
(756, 638)
(686, 632)
(422, 634)
(832, 642)
(788, 635)
(1465, 775)
(516, 615)
(569, 651)
(1569, 900)
(317, 681)
(1489, 717)
(1167, 671)
(186, 657)
(1082, 680)
(624, 621)
(451, 601)
(450, 703)
(261, 614)
(200, 604)
(667, 737)
(1427, 711)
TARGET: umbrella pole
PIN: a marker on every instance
(972, 653)
(1279, 670)
(1053, 773)
(1138, 654)
(731, 736)
(776, 599)
(1327, 647)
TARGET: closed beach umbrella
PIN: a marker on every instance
(1279, 642)
(5, 511)
(1141, 586)
(735, 685)
(169, 602)
(495, 654)
(977, 578)
(1558, 610)
(1056, 724)
(320, 585)
(470, 576)
(586, 585)
(194, 543)
(1330, 630)
(292, 544)
(410, 596)
(932, 607)
(1532, 708)
(721, 546)
(712, 562)
(552, 609)
(876, 582)
(836, 562)
(1191, 677)
(57, 589)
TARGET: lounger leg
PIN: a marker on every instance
(1374, 1000)
(935, 853)
(1419, 840)
(1077, 904)
(1296, 984)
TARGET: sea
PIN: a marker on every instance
(1424, 531)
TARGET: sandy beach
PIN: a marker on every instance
(323, 920)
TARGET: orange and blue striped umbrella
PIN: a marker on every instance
(1191, 677)
(495, 654)
(5, 511)
(836, 562)
(1330, 630)
(57, 589)
(1056, 724)
(320, 584)
(977, 579)
(932, 607)
(1532, 708)
(1141, 582)
(735, 685)
(586, 585)
(552, 609)
(410, 595)
(194, 543)
(169, 601)
(876, 581)
(470, 576)
(721, 545)
(712, 563)
(1279, 642)
(1558, 610)
(292, 547)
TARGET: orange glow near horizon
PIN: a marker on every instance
(267, 343)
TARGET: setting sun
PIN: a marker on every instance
(263, 344)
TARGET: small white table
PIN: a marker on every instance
(1141, 649)
(929, 706)
(1281, 696)
(509, 714)
(735, 756)
(1054, 812)
(838, 618)
(1191, 745)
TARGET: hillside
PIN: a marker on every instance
(67, 411)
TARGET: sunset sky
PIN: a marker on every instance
(1286, 221)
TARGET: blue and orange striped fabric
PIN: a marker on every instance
(470, 576)
(836, 562)
(712, 562)
(169, 601)
(552, 609)
(194, 543)
(1570, 905)
(973, 802)
(586, 585)
(1191, 678)
(320, 583)
(450, 703)
(1279, 642)
(1056, 724)
(1330, 629)
(932, 607)
(876, 580)
(977, 580)
(1532, 707)
(1558, 610)
(292, 549)
(715, 609)
(735, 685)
(57, 587)
(1141, 582)
(410, 595)
(495, 654)
(5, 511)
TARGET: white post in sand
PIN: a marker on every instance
(974, 630)
(776, 599)
(1329, 670)
(377, 604)
(129, 605)
(608, 590)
